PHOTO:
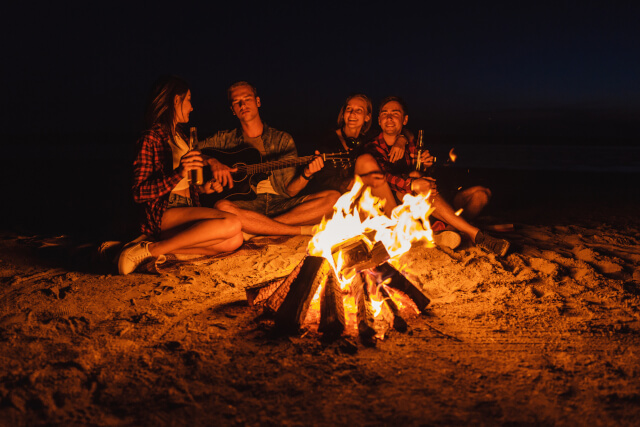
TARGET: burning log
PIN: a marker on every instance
(401, 283)
(366, 328)
(275, 300)
(399, 324)
(358, 254)
(259, 293)
(332, 319)
(291, 313)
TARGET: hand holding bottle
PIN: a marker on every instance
(190, 162)
(194, 176)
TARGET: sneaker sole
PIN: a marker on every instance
(449, 239)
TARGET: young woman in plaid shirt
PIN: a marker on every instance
(171, 206)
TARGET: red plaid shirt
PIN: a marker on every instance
(154, 178)
(396, 174)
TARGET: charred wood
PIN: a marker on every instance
(359, 254)
(332, 319)
(258, 294)
(293, 310)
(399, 324)
(400, 282)
(273, 303)
(366, 328)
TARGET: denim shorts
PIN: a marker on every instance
(270, 204)
(178, 201)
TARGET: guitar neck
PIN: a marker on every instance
(276, 164)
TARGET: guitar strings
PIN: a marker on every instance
(280, 164)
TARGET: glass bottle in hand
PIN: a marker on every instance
(420, 167)
(195, 175)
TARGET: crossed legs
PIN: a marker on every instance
(290, 223)
(193, 230)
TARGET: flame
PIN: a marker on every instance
(458, 212)
(452, 155)
(360, 216)
(358, 212)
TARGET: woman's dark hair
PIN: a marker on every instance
(365, 98)
(160, 108)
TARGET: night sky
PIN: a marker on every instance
(84, 68)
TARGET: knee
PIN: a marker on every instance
(365, 164)
(223, 227)
(228, 245)
(226, 206)
(231, 224)
(234, 242)
(331, 197)
(481, 195)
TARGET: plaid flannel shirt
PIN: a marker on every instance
(396, 174)
(154, 178)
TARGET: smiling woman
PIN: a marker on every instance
(352, 132)
(171, 206)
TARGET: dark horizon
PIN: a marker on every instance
(485, 70)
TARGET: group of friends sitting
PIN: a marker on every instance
(181, 217)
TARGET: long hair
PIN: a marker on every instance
(160, 108)
(365, 98)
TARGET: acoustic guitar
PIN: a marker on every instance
(251, 170)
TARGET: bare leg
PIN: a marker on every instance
(311, 210)
(372, 176)
(197, 230)
(472, 200)
(257, 223)
(443, 211)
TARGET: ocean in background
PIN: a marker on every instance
(585, 158)
(83, 185)
(619, 159)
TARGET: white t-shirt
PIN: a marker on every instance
(263, 186)
(179, 148)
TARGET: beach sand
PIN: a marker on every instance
(546, 335)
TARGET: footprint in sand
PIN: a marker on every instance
(604, 264)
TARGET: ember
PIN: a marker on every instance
(349, 280)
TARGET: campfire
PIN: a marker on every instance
(351, 280)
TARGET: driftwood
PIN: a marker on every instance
(293, 310)
(332, 321)
(401, 283)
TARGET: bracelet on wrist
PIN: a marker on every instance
(308, 178)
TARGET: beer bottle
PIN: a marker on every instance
(420, 147)
(195, 175)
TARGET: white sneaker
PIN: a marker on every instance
(132, 256)
(448, 239)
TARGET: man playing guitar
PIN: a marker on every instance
(277, 209)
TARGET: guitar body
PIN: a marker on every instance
(239, 158)
(251, 170)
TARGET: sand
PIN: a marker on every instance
(546, 335)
